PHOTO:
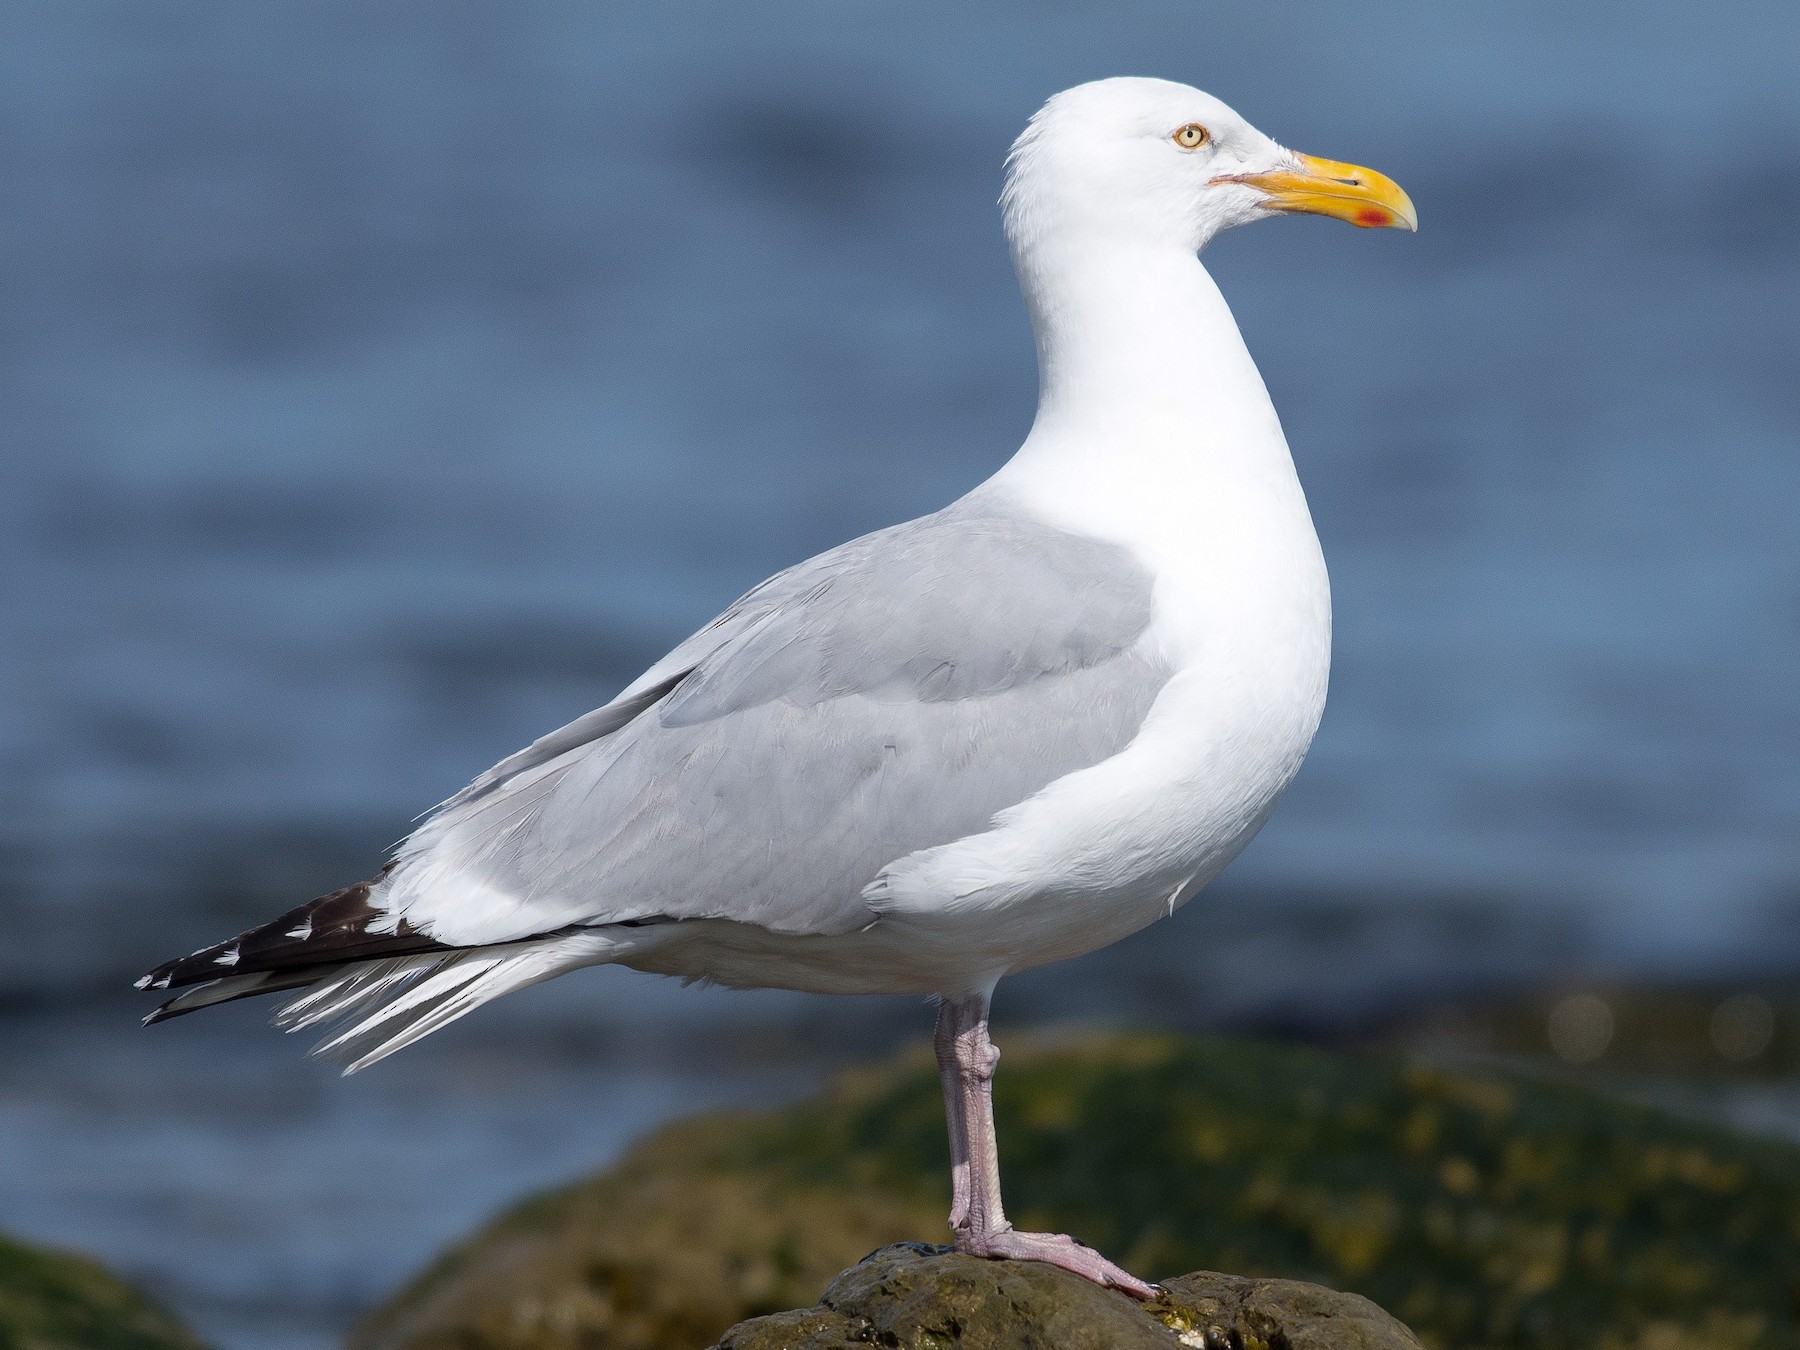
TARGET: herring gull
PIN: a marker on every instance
(1004, 734)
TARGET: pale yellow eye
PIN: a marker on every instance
(1190, 137)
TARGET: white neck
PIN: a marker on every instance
(1154, 428)
(1140, 360)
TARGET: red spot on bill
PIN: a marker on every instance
(1373, 216)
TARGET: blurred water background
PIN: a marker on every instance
(385, 383)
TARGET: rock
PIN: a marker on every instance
(915, 1297)
(61, 1301)
(1485, 1210)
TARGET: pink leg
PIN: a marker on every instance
(943, 1042)
(976, 1216)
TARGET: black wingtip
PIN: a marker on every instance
(331, 930)
(295, 949)
(231, 988)
(185, 969)
(169, 1011)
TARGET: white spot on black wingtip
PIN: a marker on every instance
(303, 932)
(228, 957)
(143, 982)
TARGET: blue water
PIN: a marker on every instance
(385, 383)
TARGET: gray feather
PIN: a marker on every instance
(893, 694)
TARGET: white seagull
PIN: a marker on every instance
(1007, 733)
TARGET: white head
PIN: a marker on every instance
(1140, 161)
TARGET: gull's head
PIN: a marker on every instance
(1139, 161)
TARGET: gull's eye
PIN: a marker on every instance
(1190, 137)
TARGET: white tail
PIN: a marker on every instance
(397, 1001)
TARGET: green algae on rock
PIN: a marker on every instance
(1488, 1212)
(52, 1300)
(919, 1298)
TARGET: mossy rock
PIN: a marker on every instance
(920, 1298)
(60, 1301)
(666, 1249)
(1485, 1211)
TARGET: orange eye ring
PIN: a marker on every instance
(1190, 137)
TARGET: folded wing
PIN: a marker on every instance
(890, 695)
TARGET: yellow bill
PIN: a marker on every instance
(1324, 187)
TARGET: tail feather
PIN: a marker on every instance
(381, 983)
(348, 988)
(419, 996)
(388, 1010)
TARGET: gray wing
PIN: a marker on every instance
(890, 695)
